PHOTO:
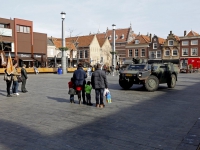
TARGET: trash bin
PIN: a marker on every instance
(59, 71)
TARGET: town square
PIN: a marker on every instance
(100, 75)
(44, 118)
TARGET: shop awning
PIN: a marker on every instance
(26, 59)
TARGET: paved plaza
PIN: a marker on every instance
(43, 118)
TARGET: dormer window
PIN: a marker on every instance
(122, 37)
(137, 41)
(110, 37)
(171, 42)
(116, 36)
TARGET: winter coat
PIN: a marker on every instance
(15, 74)
(79, 76)
(99, 80)
(23, 74)
(88, 89)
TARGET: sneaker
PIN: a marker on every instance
(17, 93)
(97, 105)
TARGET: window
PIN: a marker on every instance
(136, 52)
(143, 53)
(137, 41)
(175, 52)
(194, 42)
(1, 25)
(101, 60)
(86, 54)
(21, 29)
(194, 51)
(185, 42)
(152, 55)
(81, 54)
(130, 53)
(154, 45)
(184, 52)
(170, 42)
(110, 37)
(122, 37)
(158, 54)
(26, 29)
(167, 52)
(116, 37)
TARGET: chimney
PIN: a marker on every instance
(150, 37)
(185, 32)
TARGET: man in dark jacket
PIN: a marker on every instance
(99, 82)
(79, 81)
(24, 78)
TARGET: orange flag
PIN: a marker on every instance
(10, 67)
(3, 58)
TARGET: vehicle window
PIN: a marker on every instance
(136, 67)
(163, 67)
(154, 67)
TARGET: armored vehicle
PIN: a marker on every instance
(149, 75)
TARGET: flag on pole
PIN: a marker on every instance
(10, 67)
(3, 58)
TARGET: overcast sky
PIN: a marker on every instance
(84, 16)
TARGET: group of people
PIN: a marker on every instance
(78, 85)
(13, 79)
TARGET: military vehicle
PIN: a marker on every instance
(149, 75)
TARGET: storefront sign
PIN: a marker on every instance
(37, 56)
(24, 55)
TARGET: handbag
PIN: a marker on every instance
(72, 91)
(7, 77)
(19, 78)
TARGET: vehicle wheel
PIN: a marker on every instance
(125, 84)
(172, 82)
(151, 83)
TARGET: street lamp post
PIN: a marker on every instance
(63, 44)
(113, 50)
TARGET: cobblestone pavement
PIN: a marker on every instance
(43, 118)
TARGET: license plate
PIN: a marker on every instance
(128, 75)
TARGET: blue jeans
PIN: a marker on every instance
(99, 94)
(15, 87)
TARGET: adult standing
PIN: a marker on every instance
(8, 79)
(79, 77)
(24, 78)
(99, 83)
(15, 80)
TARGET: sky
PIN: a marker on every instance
(157, 17)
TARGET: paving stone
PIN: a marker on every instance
(43, 118)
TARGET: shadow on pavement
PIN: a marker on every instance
(155, 123)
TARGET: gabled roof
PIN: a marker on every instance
(85, 41)
(57, 42)
(70, 46)
(119, 32)
(101, 35)
(50, 42)
(192, 33)
(161, 40)
(101, 41)
(143, 39)
(177, 38)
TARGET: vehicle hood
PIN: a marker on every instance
(129, 71)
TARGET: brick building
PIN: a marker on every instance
(24, 45)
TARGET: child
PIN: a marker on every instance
(88, 89)
(71, 90)
(108, 95)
